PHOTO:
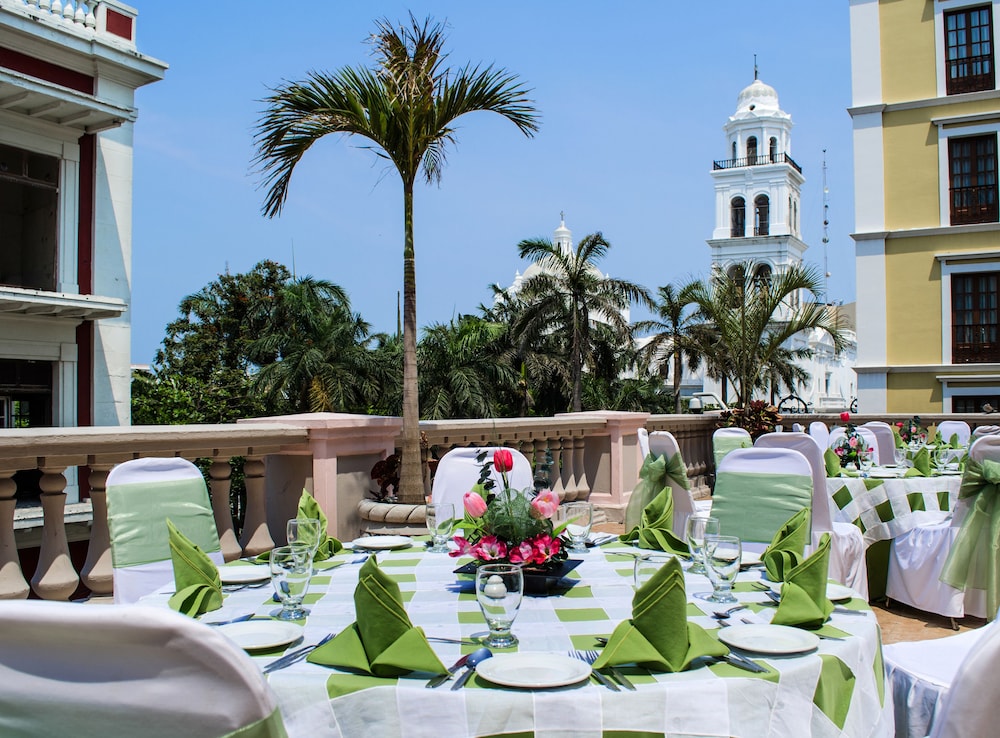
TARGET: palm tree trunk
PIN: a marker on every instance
(576, 358)
(411, 483)
(678, 368)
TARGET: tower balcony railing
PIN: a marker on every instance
(757, 160)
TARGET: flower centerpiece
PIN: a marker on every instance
(911, 431)
(852, 448)
(509, 525)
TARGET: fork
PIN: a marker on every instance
(582, 655)
(591, 656)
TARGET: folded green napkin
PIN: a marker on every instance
(897, 439)
(804, 603)
(382, 641)
(659, 636)
(921, 464)
(196, 577)
(787, 548)
(309, 508)
(656, 526)
(833, 467)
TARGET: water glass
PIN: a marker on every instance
(695, 530)
(499, 588)
(304, 532)
(722, 560)
(291, 569)
(942, 457)
(440, 523)
(864, 462)
(646, 565)
(578, 516)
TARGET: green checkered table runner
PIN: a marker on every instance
(837, 690)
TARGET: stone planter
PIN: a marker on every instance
(392, 518)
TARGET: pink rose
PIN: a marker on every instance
(545, 503)
(522, 553)
(475, 505)
(503, 460)
(845, 416)
(852, 442)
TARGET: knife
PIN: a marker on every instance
(442, 678)
(734, 659)
(605, 681)
(295, 656)
(621, 678)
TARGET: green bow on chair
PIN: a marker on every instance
(972, 560)
(656, 474)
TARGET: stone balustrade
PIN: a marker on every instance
(107, 19)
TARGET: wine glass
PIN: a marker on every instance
(499, 588)
(942, 457)
(440, 522)
(305, 532)
(646, 565)
(865, 461)
(291, 569)
(578, 516)
(722, 559)
(695, 530)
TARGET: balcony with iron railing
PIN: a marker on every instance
(757, 160)
(976, 204)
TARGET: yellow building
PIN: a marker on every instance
(926, 112)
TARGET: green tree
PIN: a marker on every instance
(407, 108)
(753, 317)
(568, 298)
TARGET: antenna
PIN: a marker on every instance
(826, 230)
(293, 258)
(755, 67)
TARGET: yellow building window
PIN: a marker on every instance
(972, 171)
(968, 37)
(974, 318)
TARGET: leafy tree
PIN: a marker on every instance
(406, 107)
(568, 298)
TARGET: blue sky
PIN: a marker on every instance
(632, 95)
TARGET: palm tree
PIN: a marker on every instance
(406, 107)
(752, 320)
(568, 296)
(677, 334)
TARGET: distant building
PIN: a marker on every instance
(926, 112)
(68, 75)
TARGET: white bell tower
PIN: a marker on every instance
(757, 187)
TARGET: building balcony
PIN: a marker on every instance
(756, 161)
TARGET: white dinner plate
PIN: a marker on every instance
(883, 473)
(749, 558)
(533, 670)
(244, 574)
(834, 592)
(382, 543)
(767, 638)
(254, 635)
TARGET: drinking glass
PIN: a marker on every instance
(499, 588)
(646, 565)
(440, 522)
(578, 516)
(304, 532)
(722, 559)
(695, 530)
(291, 569)
(942, 457)
(864, 461)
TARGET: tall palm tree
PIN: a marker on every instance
(406, 107)
(677, 334)
(753, 319)
(568, 296)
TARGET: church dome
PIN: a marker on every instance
(758, 98)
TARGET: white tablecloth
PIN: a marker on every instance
(713, 700)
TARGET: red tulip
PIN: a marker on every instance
(845, 416)
(503, 460)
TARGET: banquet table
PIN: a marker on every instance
(837, 689)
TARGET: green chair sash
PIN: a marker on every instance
(722, 445)
(755, 505)
(651, 505)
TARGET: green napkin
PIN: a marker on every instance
(921, 464)
(803, 595)
(897, 439)
(309, 508)
(382, 641)
(656, 526)
(659, 636)
(196, 577)
(787, 548)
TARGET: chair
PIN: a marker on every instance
(663, 443)
(643, 436)
(797, 428)
(819, 431)
(885, 440)
(458, 470)
(917, 557)
(847, 543)
(725, 440)
(141, 495)
(969, 707)
(949, 428)
(757, 490)
(920, 674)
(96, 671)
(985, 430)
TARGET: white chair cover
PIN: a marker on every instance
(103, 671)
(725, 440)
(970, 707)
(917, 557)
(141, 495)
(643, 436)
(949, 428)
(985, 430)
(458, 470)
(885, 440)
(819, 431)
(663, 443)
(847, 543)
(797, 428)
(919, 675)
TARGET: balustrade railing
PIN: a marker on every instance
(107, 18)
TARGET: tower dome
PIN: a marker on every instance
(758, 98)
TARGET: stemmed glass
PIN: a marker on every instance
(899, 454)
(722, 559)
(578, 516)
(291, 569)
(646, 565)
(304, 532)
(942, 457)
(864, 461)
(695, 530)
(440, 522)
(499, 588)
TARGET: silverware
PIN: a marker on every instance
(474, 658)
(591, 656)
(741, 662)
(240, 619)
(295, 656)
(726, 613)
(461, 641)
(596, 674)
(442, 678)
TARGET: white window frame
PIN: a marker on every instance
(954, 386)
(955, 128)
(946, 6)
(960, 263)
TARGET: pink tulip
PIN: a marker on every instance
(544, 505)
(503, 460)
(845, 416)
(475, 505)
